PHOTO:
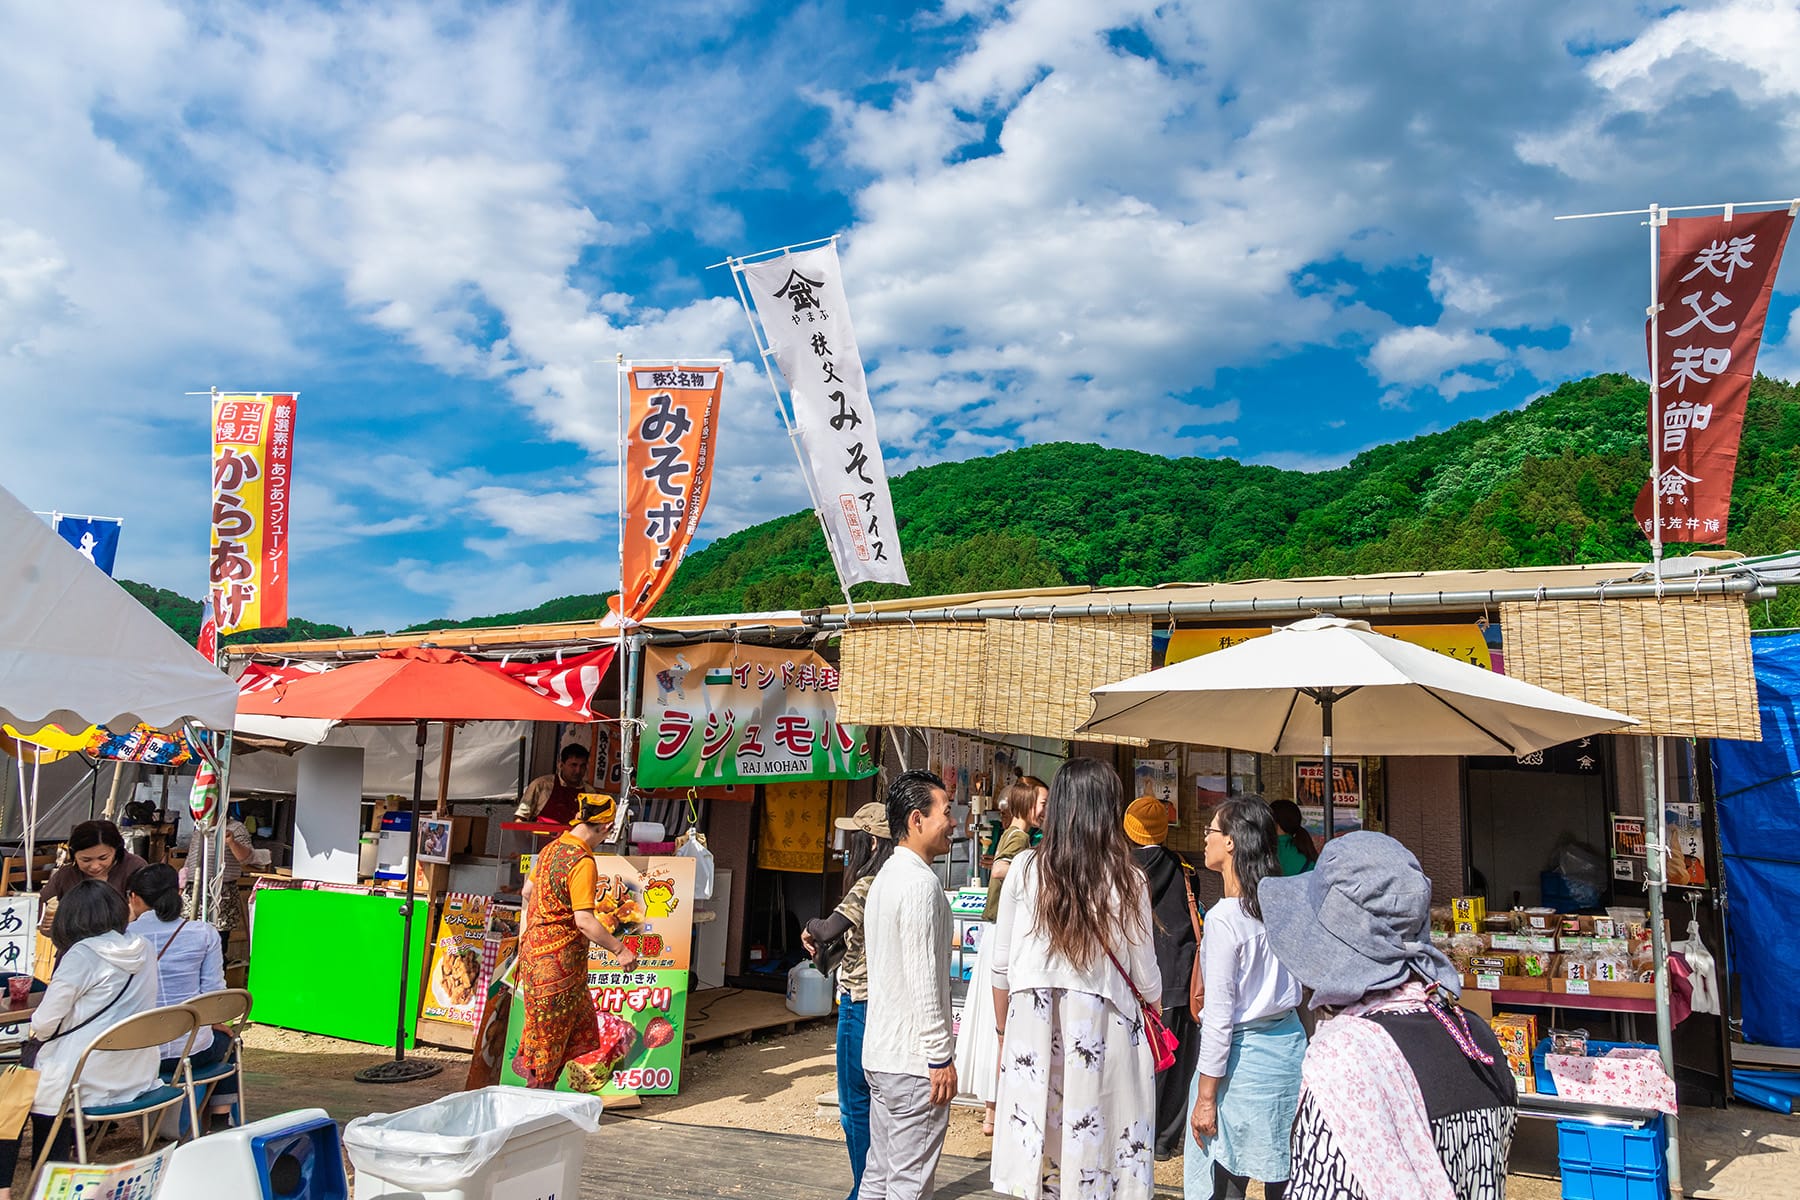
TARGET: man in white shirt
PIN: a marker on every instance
(909, 1051)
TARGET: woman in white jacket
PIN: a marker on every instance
(1076, 1106)
(105, 976)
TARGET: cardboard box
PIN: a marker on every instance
(1466, 925)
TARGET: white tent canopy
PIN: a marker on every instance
(76, 650)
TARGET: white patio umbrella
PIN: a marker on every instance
(1327, 683)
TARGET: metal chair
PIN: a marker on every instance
(146, 1031)
(230, 1007)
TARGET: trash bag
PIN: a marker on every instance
(1583, 873)
(693, 845)
(437, 1146)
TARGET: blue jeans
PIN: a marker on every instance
(853, 1085)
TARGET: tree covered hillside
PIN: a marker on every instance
(1551, 483)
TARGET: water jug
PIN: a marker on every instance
(808, 992)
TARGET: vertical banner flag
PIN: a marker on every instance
(800, 300)
(252, 461)
(1714, 279)
(94, 538)
(670, 432)
(207, 643)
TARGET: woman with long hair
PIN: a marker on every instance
(190, 961)
(1294, 848)
(1070, 957)
(977, 1049)
(1247, 1086)
(106, 975)
(869, 847)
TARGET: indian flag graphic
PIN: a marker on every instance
(720, 675)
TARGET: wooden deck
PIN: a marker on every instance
(717, 1014)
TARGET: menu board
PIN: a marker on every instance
(459, 976)
(648, 903)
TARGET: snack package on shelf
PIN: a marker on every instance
(1543, 920)
(1443, 918)
(1569, 1041)
(1463, 949)
(1469, 908)
(1524, 1078)
(1577, 964)
(1496, 964)
(1537, 963)
(1517, 1034)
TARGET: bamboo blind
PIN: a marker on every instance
(1680, 666)
(925, 674)
(1038, 673)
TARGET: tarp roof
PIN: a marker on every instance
(77, 650)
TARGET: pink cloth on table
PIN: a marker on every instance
(1629, 1077)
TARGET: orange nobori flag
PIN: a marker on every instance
(252, 496)
(670, 434)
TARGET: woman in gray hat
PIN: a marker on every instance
(1251, 1040)
(869, 847)
(1403, 1094)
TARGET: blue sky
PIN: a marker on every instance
(1278, 231)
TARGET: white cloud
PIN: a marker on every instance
(1420, 355)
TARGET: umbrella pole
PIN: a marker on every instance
(401, 1070)
(1325, 720)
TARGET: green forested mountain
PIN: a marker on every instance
(183, 616)
(1551, 483)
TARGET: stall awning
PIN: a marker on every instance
(1030, 678)
(77, 650)
(1680, 666)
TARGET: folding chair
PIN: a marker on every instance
(146, 1031)
(230, 1007)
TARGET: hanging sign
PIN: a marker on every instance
(252, 461)
(724, 712)
(94, 538)
(1464, 642)
(806, 317)
(648, 903)
(1714, 277)
(670, 432)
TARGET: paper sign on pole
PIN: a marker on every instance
(252, 491)
(670, 432)
(1715, 274)
(806, 318)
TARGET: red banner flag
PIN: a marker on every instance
(1714, 279)
(671, 427)
(252, 491)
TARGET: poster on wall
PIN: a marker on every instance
(642, 1013)
(731, 713)
(453, 986)
(1158, 777)
(1346, 794)
(1687, 846)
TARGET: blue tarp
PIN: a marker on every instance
(1758, 789)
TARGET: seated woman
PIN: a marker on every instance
(106, 975)
(190, 961)
(96, 851)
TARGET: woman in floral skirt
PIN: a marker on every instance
(1070, 954)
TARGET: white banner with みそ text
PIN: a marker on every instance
(800, 300)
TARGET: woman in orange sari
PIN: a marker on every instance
(560, 1023)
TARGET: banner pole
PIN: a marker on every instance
(624, 744)
(762, 352)
(1656, 539)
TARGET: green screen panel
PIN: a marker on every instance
(329, 963)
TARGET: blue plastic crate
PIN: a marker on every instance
(1584, 1183)
(1596, 1049)
(1613, 1147)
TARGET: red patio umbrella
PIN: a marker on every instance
(400, 687)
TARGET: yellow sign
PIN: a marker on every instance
(1464, 643)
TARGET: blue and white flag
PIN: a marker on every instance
(96, 538)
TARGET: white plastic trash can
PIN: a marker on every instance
(499, 1143)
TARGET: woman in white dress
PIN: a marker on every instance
(977, 1048)
(1069, 956)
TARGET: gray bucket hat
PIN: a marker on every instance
(1358, 922)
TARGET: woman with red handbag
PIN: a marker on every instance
(1247, 1087)
(1076, 991)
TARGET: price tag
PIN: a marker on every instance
(1488, 982)
(1578, 987)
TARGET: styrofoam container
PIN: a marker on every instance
(441, 1150)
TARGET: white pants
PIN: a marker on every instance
(906, 1138)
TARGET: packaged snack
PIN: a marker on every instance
(1469, 908)
(1536, 963)
(1501, 923)
(1577, 965)
(1463, 949)
(1569, 1041)
(1466, 925)
(1441, 917)
(1544, 919)
(1496, 964)
(1517, 1033)
(1611, 968)
(1604, 927)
